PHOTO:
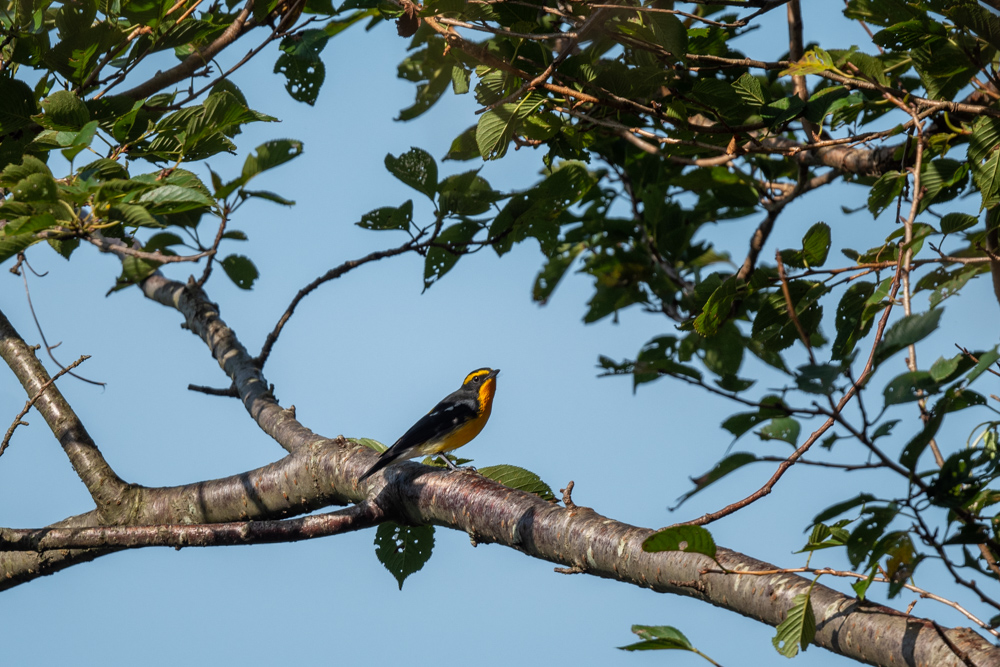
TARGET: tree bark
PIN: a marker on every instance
(321, 472)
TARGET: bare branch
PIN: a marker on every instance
(31, 401)
(106, 488)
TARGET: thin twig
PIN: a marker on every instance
(41, 333)
(27, 406)
(797, 454)
(790, 307)
(857, 575)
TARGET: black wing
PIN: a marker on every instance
(444, 417)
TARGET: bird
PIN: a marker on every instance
(450, 424)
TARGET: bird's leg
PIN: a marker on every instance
(444, 457)
(452, 466)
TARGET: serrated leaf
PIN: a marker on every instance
(986, 361)
(885, 191)
(240, 270)
(957, 222)
(748, 87)
(813, 61)
(721, 469)
(135, 270)
(785, 429)
(689, 539)
(403, 550)
(496, 127)
(415, 168)
(911, 329)
(798, 629)
(374, 445)
(269, 155)
(943, 368)
(388, 217)
(520, 479)
(908, 387)
(174, 199)
(449, 247)
(841, 507)
(658, 637)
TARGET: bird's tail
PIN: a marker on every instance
(385, 459)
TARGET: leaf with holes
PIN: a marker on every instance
(689, 539)
(240, 270)
(403, 550)
(415, 168)
(798, 629)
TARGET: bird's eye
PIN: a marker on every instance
(477, 378)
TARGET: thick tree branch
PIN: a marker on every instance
(356, 517)
(196, 60)
(324, 472)
(106, 488)
(202, 318)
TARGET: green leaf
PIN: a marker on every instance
(11, 245)
(841, 507)
(815, 248)
(450, 245)
(464, 147)
(161, 241)
(943, 368)
(785, 429)
(268, 156)
(854, 319)
(717, 310)
(749, 88)
(911, 329)
(63, 110)
(371, 444)
(168, 199)
(135, 270)
(861, 586)
(303, 77)
(388, 217)
(721, 469)
(957, 222)
(36, 187)
(885, 191)
(14, 173)
(984, 139)
(908, 387)
(986, 361)
(818, 378)
(240, 270)
(813, 61)
(17, 105)
(520, 479)
(415, 168)
(657, 637)
(555, 268)
(689, 539)
(64, 247)
(268, 196)
(403, 550)
(798, 629)
(496, 127)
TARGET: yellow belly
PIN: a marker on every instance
(460, 436)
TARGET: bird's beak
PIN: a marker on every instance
(493, 373)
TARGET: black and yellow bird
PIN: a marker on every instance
(452, 423)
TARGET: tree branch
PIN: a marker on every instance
(105, 487)
(161, 80)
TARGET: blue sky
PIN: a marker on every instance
(365, 356)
